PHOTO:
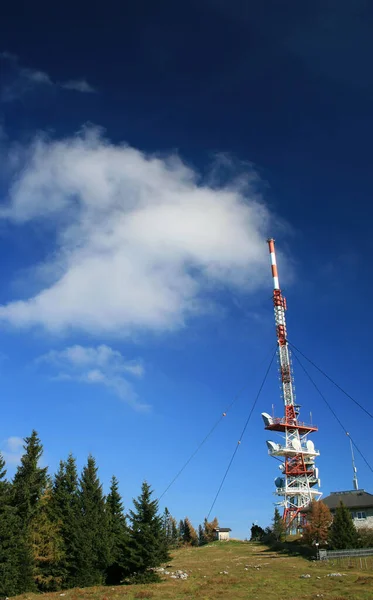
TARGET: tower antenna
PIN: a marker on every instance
(299, 481)
(354, 469)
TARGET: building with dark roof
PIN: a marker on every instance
(222, 533)
(359, 503)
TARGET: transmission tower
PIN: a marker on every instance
(299, 481)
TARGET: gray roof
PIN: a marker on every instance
(223, 529)
(351, 499)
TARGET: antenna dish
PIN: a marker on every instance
(310, 446)
(268, 420)
(296, 444)
(272, 446)
(281, 467)
(280, 482)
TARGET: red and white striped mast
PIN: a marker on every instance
(299, 480)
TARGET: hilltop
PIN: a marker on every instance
(237, 570)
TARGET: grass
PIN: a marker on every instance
(253, 572)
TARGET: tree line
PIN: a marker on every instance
(337, 532)
(61, 532)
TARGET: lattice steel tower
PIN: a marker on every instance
(299, 481)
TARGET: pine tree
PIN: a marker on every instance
(147, 541)
(278, 526)
(16, 565)
(343, 534)
(47, 546)
(319, 519)
(118, 537)
(65, 512)
(92, 539)
(30, 480)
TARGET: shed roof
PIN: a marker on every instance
(223, 529)
(351, 499)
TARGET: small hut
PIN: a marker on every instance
(222, 533)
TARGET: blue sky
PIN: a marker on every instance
(147, 151)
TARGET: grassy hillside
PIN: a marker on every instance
(236, 570)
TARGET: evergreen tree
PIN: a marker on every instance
(92, 535)
(16, 565)
(319, 519)
(118, 536)
(30, 480)
(181, 531)
(201, 536)
(147, 541)
(174, 533)
(209, 527)
(343, 534)
(167, 527)
(65, 512)
(257, 533)
(278, 526)
(47, 546)
(190, 536)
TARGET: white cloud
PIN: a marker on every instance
(79, 85)
(96, 365)
(141, 242)
(12, 450)
(23, 80)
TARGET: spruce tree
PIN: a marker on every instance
(16, 565)
(167, 527)
(181, 531)
(343, 534)
(147, 541)
(92, 539)
(201, 536)
(174, 533)
(66, 513)
(47, 546)
(118, 537)
(278, 526)
(30, 480)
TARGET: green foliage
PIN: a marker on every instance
(343, 534)
(65, 512)
(92, 540)
(189, 536)
(365, 535)
(30, 480)
(47, 546)
(64, 533)
(118, 567)
(201, 536)
(174, 534)
(278, 526)
(257, 533)
(181, 531)
(208, 528)
(16, 564)
(148, 548)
